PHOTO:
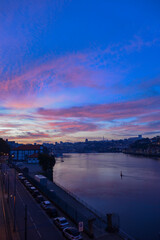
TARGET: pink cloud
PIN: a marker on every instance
(72, 127)
(133, 129)
(114, 118)
(31, 136)
(108, 112)
(28, 102)
(72, 70)
(150, 117)
(135, 44)
(10, 125)
(4, 131)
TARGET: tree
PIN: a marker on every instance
(4, 147)
(47, 163)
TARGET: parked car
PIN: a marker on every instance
(61, 222)
(52, 212)
(20, 175)
(40, 199)
(28, 185)
(72, 233)
(46, 204)
(35, 193)
(22, 179)
(31, 189)
(26, 182)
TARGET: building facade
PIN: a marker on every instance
(22, 153)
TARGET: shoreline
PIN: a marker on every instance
(155, 156)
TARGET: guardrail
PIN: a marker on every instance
(121, 233)
(125, 235)
(94, 211)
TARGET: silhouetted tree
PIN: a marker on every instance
(47, 163)
(4, 147)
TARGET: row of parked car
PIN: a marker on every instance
(61, 222)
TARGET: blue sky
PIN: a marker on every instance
(73, 69)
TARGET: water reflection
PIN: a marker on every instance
(135, 196)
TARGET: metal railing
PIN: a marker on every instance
(125, 235)
(90, 208)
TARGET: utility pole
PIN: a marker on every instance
(25, 220)
(5, 182)
(14, 226)
(8, 189)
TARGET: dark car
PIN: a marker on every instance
(46, 204)
(40, 198)
(52, 212)
(35, 193)
(22, 179)
(31, 189)
(28, 185)
(72, 233)
(61, 222)
(26, 182)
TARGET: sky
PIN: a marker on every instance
(77, 69)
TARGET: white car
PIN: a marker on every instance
(20, 175)
(72, 233)
(31, 189)
(46, 204)
(61, 222)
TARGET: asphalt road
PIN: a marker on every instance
(39, 225)
(3, 233)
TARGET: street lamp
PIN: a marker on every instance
(14, 226)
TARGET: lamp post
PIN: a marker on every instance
(25, 219)
(14, 225)
(8, 189)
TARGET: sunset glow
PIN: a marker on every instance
(72, 70)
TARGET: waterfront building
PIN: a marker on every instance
(33, 158)
(22, 153)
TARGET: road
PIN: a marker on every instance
(3, 224)
(39, 225)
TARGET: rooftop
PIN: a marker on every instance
(28, 147)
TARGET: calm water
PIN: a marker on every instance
(96, 179)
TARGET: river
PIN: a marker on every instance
(95, 178)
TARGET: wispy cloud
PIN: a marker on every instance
(40, 87)
(113, 111)
(72, 127)
(136, 44)
(92, 69)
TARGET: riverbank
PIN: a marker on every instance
(143, 154)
